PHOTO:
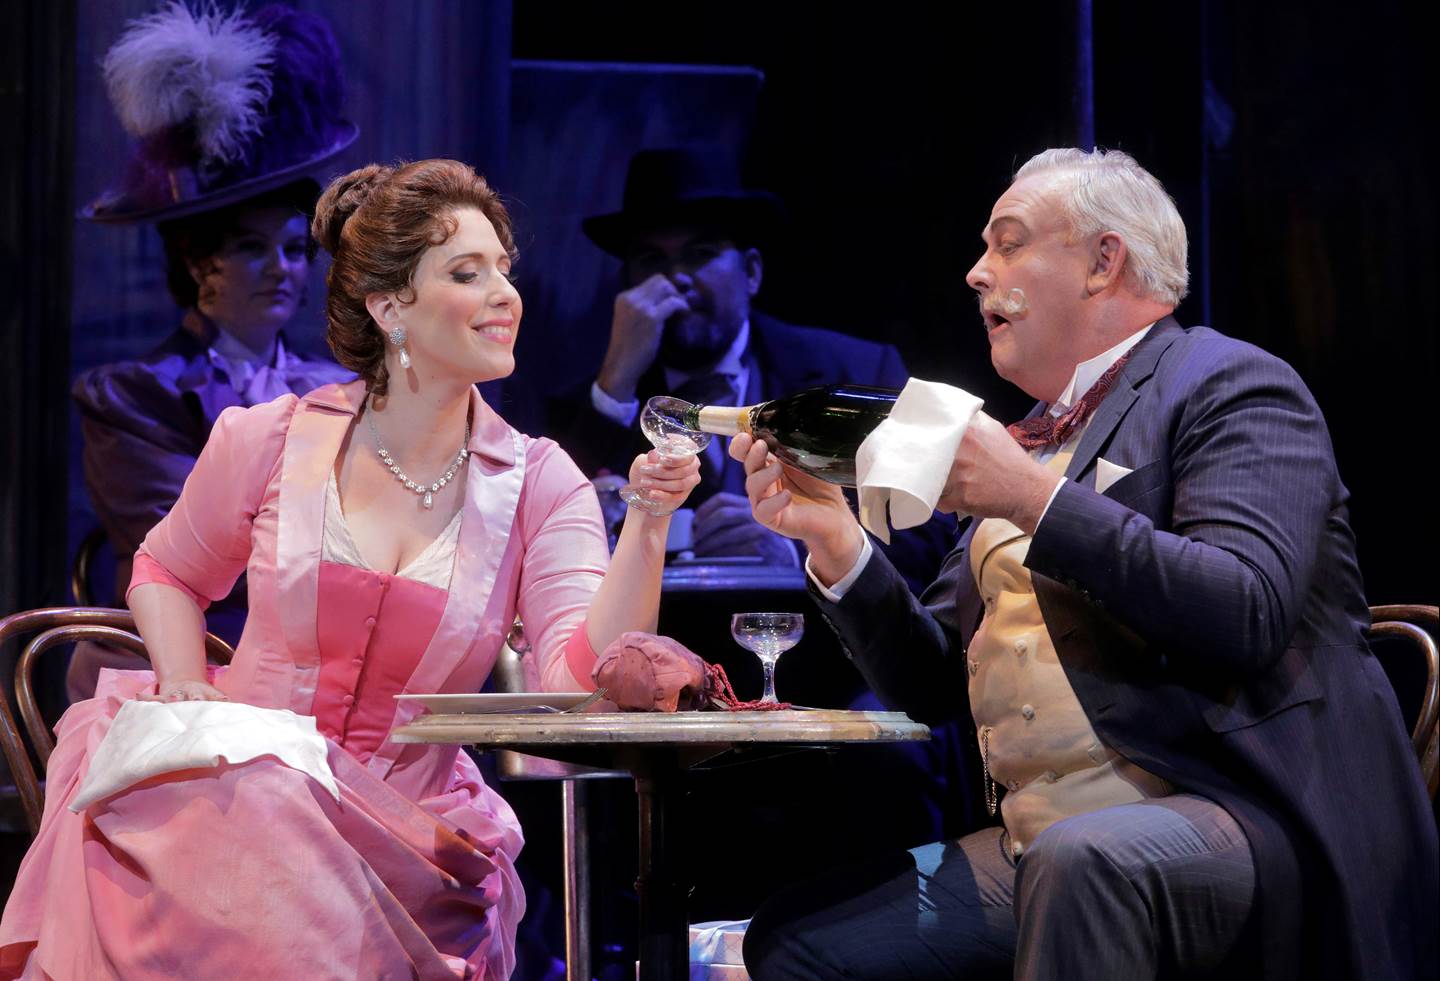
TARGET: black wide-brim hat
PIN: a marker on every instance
(685, 186)
(164, 194)
(276, 77)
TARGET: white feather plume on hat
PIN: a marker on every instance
(203, 67)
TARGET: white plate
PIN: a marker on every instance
(479, 704)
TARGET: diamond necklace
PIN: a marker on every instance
(426, 492)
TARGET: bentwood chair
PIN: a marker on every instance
(1417, 624)
(55, 628)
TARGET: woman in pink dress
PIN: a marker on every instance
(391, 529)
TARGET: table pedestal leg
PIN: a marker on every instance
(575, 820)
(664, 924)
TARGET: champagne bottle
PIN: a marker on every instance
(817, 430)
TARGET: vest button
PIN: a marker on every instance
(1021, 646)
(1028, 711)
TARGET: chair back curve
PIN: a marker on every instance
(1418, 624)
(28, 743)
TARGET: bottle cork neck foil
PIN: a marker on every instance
(725, 420)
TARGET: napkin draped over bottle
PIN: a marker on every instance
(901, 467)
(148, 739)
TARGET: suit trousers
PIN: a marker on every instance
(1161, 888)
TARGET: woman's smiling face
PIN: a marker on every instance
(463, 316)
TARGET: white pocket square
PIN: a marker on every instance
(1106, 473)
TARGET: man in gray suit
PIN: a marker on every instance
(1199, 767)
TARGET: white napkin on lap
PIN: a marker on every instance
(150, 738)
(904, 461)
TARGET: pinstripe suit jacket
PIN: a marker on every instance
(1209, 613)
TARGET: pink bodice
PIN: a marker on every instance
(372, 629)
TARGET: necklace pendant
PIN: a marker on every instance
(429, 501)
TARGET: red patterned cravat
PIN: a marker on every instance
(1047, 430)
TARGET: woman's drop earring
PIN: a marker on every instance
(397, 337)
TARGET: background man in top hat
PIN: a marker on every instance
(689, 237)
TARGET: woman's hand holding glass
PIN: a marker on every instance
(662, 423)
(665, 480)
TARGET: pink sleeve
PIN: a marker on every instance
(147, 570)
(580, 658)
(203, 545)
(566, 555)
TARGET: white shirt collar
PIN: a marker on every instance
(1087, 373)
(235, 353)
(731, 363)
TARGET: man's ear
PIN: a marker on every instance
(1107, 263)
(384, 309)
(754, 269)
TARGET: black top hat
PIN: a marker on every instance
(684, 185)
(225, 107)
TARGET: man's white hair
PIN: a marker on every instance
(1107, 191)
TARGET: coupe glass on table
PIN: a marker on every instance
(767, 636)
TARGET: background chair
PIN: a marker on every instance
(85, 568)
(512, 674)
(1416, 625)
(27, 750)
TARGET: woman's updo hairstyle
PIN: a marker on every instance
(377, 222)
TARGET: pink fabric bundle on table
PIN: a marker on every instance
(647, 673)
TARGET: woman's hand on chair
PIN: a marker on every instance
(186, 691)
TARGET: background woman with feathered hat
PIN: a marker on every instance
(232, 114)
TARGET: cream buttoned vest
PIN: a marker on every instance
(1034, 736)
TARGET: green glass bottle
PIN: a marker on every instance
(817, 430)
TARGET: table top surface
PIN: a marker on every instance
(790, 726)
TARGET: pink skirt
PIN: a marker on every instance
(255, 871)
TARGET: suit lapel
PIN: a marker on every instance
(1143, 359)
(780, 372)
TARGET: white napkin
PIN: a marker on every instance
(150, 738)
(904, 461)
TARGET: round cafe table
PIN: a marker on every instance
(657, 748)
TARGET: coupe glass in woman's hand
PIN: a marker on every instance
(675, 446)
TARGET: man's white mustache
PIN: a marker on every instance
(1008, 305)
